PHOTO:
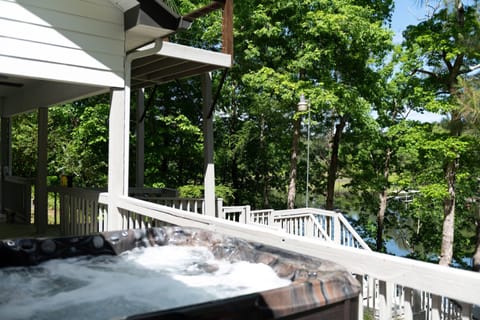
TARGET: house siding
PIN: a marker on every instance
(78, 41)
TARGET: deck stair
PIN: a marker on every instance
(326, 225)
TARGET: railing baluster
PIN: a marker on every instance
(83, 214)
(407, 308)
(336, 230)
(309, 228)
(436, 307)
(74, 215)
(360, 279)
(466, 311)
(385, 295)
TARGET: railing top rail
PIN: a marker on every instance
(19, 180)
(74, 191)
(92, 193)
(307, 211)
(169, 192)
(291, 216)
(171, 198)
(262, 211)
(234, 208)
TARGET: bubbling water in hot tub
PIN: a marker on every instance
(137, 281)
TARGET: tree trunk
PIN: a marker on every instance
(383, 202)
(293, 165)
(381, 219)
(446, 252)
(333, 166)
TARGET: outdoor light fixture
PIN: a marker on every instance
(303, 106)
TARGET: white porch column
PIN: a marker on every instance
(140, 147)
(118, 144)
(41, 195)
(209, 178)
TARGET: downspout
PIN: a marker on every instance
(130, 57)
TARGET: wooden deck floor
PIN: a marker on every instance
(12, 231)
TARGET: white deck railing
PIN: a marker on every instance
(79, 206)
(307, 222)
(80, 210)
(394, 287)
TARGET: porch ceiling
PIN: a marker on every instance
(174, 61)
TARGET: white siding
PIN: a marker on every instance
(79, 41)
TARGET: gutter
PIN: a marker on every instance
(153, 13)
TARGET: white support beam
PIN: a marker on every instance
(119, 139)
(209, 167)
(140, 146)
(41, 195)
(117, 156)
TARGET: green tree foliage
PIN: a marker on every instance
(438, 52)
(24, 145)
(78, 141)
(324, 49)
(173, 135)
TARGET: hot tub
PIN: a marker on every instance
(308, 289)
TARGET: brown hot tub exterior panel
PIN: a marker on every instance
(252, 306)
(319, 289)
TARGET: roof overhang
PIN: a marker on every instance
(175, 61)
(149, 20)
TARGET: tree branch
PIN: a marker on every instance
(473, 68)
(447, 63)
(430, 73)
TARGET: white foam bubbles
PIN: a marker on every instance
(139, 281)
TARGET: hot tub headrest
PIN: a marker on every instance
(26, 252)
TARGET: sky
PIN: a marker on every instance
(409, 12)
